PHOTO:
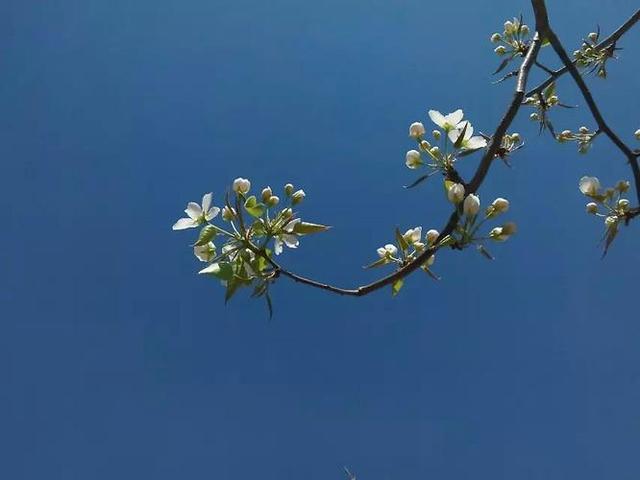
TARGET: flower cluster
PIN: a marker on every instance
(592, 57)
(583, 138)
(256, 229)
(455, 137)
(509, 144)
(542, 103)
(512, 42)
(407, 247)
(608, 204)
(466, 232)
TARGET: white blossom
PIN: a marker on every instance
(416, 130)
(471, 205)
(241, 185)
(446, 122)
(413, 159)
(589, 186)
(413, 235)
(287, 237)
(205, 253)
(197, 215)
(456, 193)
(431, 236)
(389, 250)
(469, 142)
(592, 207)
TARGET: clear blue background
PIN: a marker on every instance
(117, 361)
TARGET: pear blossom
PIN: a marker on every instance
(413, 159)
(431, 236)
(471, 205)
(500, 205)
(589, 186)
(413, 235)
(297, 197)
(416, 130)
(456, 193)
(592, 207)
(469, 142)
(388, 251)
(287, 237)
(197, 215)
(446, 122)
(205, 253)
(241, 185)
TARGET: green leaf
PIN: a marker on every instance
(232, 287)
(549, 91)
(402, 243)
(206, 234)
(267, 297)
(222, 270)
(305, 228)
(397, 285)
(460, 139)
(254, 208)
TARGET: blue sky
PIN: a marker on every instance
(117, 361)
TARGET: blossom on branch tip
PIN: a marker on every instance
(416, 130)
(589, 186)
(431, 236)
(197, 215)
(471, 205)
(241, 185)
(413, 159)
(455, 194)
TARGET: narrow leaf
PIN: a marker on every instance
(305, 228)
(402, 243)
(397, 285)
(460, 139)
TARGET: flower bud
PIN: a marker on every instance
(413, 235)
(416, 130)
(496, 37)
(623, 204)
(273, 200)
(524, 30)
(623, 186)
(515, 137)
(266, 194)
(593, 36)
(602, 73)
(456, 193)
(589, 186)
(436, 134)
(583, 130)
(228, 213)
(508, 27)
(611, 221)
(498, 206)
(297, 197)
(389, 250)
(637, 134)
(288, 189)
(509, 228)
(413, 159)
(241, 185)
(552, 100)
(471, 205)
(592, 208)
(431, 236)
(534, 117)
(500, 50)
(424, 145)
(287, 213)
(435, 151)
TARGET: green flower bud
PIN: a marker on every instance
(297, 197)
(288, 189)
(500, 50)
(496, 37)
(592, 208)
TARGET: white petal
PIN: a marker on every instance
(277, 246)
(437, 118)
(291, 225)
(193, 210)
(454, 118)
(382, 252)
(453, 135)
(213, 268)
(206, 201)
(211, 213)
(290, 241)
(476, 142)
(184, 223)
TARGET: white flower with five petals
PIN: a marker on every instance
(197, 215)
